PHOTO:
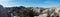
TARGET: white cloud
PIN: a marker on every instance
(48, 2)
(3, 2)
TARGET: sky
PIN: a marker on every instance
(30, 3)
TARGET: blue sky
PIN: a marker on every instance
(30, 3)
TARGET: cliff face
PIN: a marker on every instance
(3, 12)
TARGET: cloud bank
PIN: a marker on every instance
(3, 2)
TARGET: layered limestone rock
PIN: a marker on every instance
(36, 11)
(44, 13)
(57, 12)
